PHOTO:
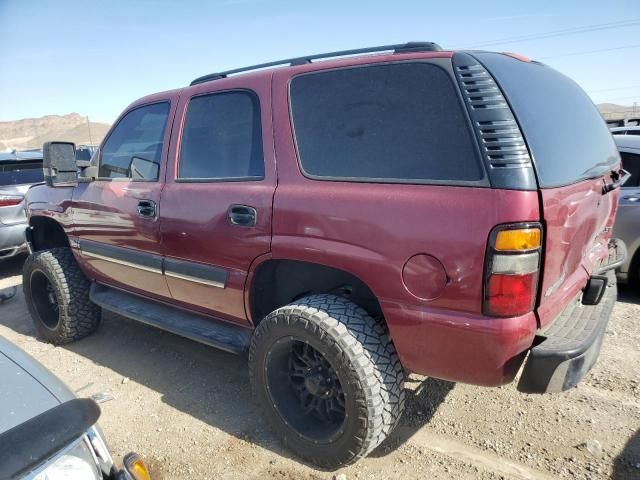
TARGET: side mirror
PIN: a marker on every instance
(143, 169)
(59, 164)
(25, 446)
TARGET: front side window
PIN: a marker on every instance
(222, 138)
(134, 148)
(399, 122)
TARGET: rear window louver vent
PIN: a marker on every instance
(503, 143)
(499, 136)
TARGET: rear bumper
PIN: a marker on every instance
(12, 240)
(570, 345)
(458, 346)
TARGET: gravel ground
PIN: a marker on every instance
(187, 409)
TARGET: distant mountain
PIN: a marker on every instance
(33, 132)
(615, 110)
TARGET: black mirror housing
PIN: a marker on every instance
(27, 445)
(59, 164)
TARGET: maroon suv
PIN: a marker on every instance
(345, 221)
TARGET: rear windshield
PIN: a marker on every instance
(568, 139)
(399, 122)
(20, 173)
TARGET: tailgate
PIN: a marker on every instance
(578, 221)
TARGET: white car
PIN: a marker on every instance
(626, 130)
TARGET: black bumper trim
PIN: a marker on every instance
(570, 347)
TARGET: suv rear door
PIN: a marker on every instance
(217, 203)
(574, 156)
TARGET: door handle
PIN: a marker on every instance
(242, 215)
(632, 198)
(147, 208)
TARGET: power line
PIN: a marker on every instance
(620, 98)
(559, 33)
(616, 88)
(591, 51)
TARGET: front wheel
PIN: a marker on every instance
(328, 378)
(57, 296)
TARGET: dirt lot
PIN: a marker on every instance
(187, 409)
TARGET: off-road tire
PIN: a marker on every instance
(78, 316)
(360, 350)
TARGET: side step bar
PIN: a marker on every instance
(215, 333)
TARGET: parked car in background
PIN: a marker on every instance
(46, 432)
(85, 152)
(18, 171)
(627, 226)
(623, 122)
(627, 130)
(408, 226)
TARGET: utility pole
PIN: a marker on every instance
(89, 128)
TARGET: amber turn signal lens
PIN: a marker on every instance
(136, 467)
(517, 240)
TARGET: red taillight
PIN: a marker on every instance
(10, 200)
(510, 295)
(512, 267)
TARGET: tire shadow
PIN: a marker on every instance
(11, 267)
(628, 294)
(423, 398)
(626, 466)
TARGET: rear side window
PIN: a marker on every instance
(134, 148)
(20, 173)
(568, 139)
(222, 138)
(398, 122)
(631, 163)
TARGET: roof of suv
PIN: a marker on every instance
(409, 47)
(339, 59)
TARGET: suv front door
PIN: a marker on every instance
(116, 215)
(217, 203)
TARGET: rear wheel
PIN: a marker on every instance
(328, 378)
(57, 296)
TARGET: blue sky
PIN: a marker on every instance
(95, 57)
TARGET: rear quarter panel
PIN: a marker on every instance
(371, 230)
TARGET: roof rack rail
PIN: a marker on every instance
(409, 47)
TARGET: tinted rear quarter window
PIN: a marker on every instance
(20, 173)
(568, 139)
(399, 122)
